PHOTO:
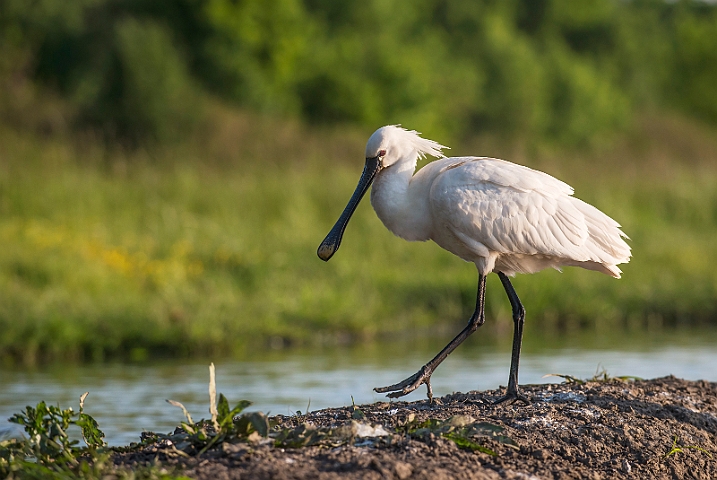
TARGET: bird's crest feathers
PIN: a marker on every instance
(404, 137)
(422, 145)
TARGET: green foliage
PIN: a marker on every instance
(256, 50)
(696, 61)
(463, 430)
(540, 70)
(48, 449)
(117, 65)
(356, 413)
(675, 449)
(197, 438)
(256, 428)
(46, 428)
(230, 425)
(158, 259)
(48, 452)
(601, 375)
(158, 98)
(226, 415)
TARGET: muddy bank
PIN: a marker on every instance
(661, 428)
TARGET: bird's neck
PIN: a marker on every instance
(403, 210)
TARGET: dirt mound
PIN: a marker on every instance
(662, 428)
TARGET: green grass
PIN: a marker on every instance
(200, 249)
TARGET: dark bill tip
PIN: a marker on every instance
(326, 250)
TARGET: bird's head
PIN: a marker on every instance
(389, 145)
(393, 144)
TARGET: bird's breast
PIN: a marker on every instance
(402, 208)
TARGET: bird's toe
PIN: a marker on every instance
(512, 397)
(407, 386)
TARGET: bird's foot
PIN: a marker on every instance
(410, 384)
(511, 396)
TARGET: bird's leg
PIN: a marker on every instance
(424, 374)
(512, 394)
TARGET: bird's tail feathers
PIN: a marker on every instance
(607, 240)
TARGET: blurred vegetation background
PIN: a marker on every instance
(168, 167)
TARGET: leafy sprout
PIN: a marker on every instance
(680, 449)
(47, 451)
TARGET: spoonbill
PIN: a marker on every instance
(503, 217)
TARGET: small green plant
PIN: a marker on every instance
(679, 449)
(47, 452)
(356, 412)
(568, 378)
(601, 375)
(202, 435)
(47, 449)
(233, 426)
(226, 424)
(463, 430)
(47, 443)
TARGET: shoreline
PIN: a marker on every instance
(611, 428)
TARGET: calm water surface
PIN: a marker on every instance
(127, 399)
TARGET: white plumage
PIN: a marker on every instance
(494, 213)
(504, 217)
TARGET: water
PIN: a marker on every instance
(128, 399)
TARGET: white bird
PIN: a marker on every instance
(503, 217)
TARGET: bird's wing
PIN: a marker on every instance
(512, 209)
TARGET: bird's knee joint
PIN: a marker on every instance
(477, 322)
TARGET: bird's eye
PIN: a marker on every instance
(381, 153)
